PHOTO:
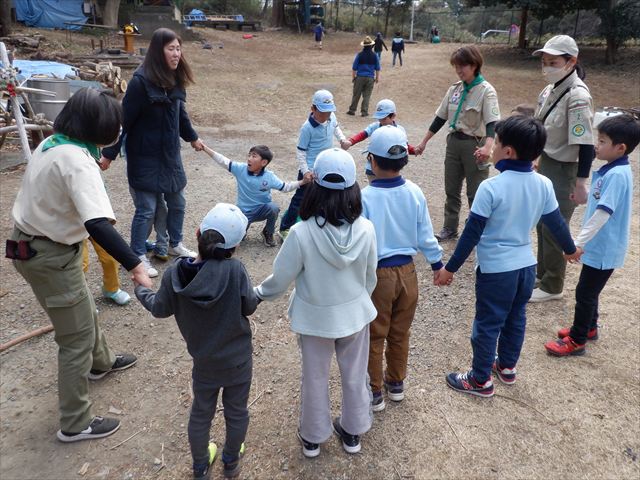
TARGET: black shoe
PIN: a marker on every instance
(122, 362)
(446, 234)
(350, 443)
(231, 468)
(309, 449)
(364, 114)
(99, 427)
(351, 113)
(269, 241)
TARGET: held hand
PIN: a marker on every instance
(574, 257)
(445, 277)
(345, 144)
(139, 276)
(197, 145)
(535, 164)
(104, 163)
(580, 193)
(420, 148)
(482, 154)
(307, 177)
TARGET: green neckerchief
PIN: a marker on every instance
(467, 86)
(60, 139)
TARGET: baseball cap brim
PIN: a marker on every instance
(382, 114)
(550, 51)
(326, 107)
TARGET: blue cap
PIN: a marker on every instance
(389, 142)
(384, 108)
(323, 101)
(229, 221)
(334, 161)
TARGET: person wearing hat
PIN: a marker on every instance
(398, 209)
(365, 72)
(211, 297)
(316, 135)
(565, 107)
(331, 257)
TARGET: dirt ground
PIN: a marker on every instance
(565, 418)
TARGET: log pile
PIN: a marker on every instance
(104, 72)
(29, 43)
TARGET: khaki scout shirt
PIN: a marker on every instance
(61, 189)
(480, 107)
(569, 124)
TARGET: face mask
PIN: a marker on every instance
(554, 74)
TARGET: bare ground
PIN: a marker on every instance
(576, 417)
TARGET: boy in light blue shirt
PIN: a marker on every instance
(316, 135)
(398, 210)
(254, 184)
(505, 210)
(605, 233)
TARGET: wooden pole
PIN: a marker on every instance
(16, 110)
(26, 336)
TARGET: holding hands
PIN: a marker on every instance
(482, 154)
(307, 177)
(574, 257)
(345, 144)
(442, 277)
(197, 145)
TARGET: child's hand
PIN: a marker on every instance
(197, 145)
(345, 144)
(443, 277)
(420, 148)
(139, 276)
(307, 177)
(574, 257)
(482, 154)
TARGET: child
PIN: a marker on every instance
(505, 210)
(386, 115)
(254, 187)
(605, 233)
(211, 297)
(319, 33)
(315, 136)
(397, 48)
(399, 213)
(331, 256)
(110, 281)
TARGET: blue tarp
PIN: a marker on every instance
(28, 68)
(50, 13)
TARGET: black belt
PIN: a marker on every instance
(463, 136)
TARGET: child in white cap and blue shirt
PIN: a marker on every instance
(211, 297)
(331, 257)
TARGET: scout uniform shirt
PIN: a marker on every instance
(569, 124)
(480, 108)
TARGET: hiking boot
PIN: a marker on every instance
(395, 390)
(350, 443)
(120, 297)
(231, 467)
(538, 296)
(466, 383)
(564, 347)
(181, 251)
(152, 272)
(446, 234)
(99, 427)
(592, 334)
(203, 471)
(377, 404)
(309, 450)
(505, 375)
(269, 241)
(124, 361)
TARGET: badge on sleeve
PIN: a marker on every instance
(578, 130)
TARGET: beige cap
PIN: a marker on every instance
(559, 45)
(367, 42)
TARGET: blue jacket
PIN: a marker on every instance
(154, 120)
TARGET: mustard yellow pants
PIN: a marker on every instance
(110, 279)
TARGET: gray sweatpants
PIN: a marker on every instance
(352, 354)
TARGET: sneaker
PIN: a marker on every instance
(99, 427)
(231, 467)
(269, 241)
(160, 256)
(592, 334)
(149, 245)
(350, 443)
(124, 361)
(377, 404)
(181, 251)
(283, 234)
(203, 471)
(395, 390)
(564, 347)
(538, 296)
(152, 272)
(446, 234)
(351, 113)
(505, 375)
(120, 297)
(466, 383)
(309, 450)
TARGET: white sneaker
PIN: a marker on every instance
(181, 251)
(120, 297)
(539, 296)
(152, 272)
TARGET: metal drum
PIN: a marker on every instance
(604, 113)
(49, 106)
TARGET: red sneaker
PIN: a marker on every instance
(592, 334)
(564, 347)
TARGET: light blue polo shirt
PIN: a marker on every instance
(512, 202)
(253, 190)
(315, 137)
(611, 191)
(372, 127)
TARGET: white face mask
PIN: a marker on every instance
(554, 74)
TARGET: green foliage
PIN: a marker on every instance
(621, 23)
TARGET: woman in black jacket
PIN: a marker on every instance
(154, 121)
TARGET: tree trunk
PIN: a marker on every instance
(5, 17)
(337, 25)
(265, 7)
(611, 51)
(522, 36)
(277, 13)
(110, 13)
(386, 19)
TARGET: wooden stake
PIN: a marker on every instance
(26, 336)
(16, 110)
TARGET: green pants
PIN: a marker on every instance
(551, 264)
(460, 165)
(362, 86)
(56, 278)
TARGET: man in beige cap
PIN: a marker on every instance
(365, 73)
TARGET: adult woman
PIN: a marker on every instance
(364, 74)
(566, 109)
(471, 106)
(61, 202)
(154, 121)
(379, 45)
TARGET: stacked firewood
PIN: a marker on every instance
(104, 72)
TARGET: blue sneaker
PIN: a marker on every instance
(466, 383)
(203, 471)
(377, 404)
(395, 390)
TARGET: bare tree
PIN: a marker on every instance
(277, 13)
(110, 10)
(5, 17)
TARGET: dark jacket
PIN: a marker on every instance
(397, 44)
(154, 120)
(211, 301)
(379, 43)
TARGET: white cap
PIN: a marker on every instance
(559, 45)
(384, 108)
(229, 221)
(323, 100)
(336, 161)
(389, 142)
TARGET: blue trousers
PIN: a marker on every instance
(146, 205)
(501, 305)
(291, 215)
(268, 211)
